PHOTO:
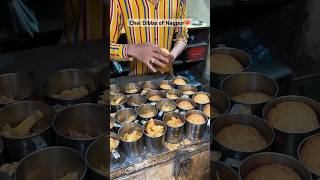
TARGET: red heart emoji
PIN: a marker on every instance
(187, 22)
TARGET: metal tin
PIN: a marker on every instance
(54, 162)
(135, 148)
(256, 160)
(198, 105)
(114, 96)
(154, 144)
(220, 101)
(225, 171)
(174, 134)
(179, 77)
(195, 131)
(183, 111)
(173, 91)
(147, 108)
(149, 85)
(126, 112)
(241, 56)
(152, 93)
(285, 142)
(129, 86)
(165, 102)
(165, 82)
(135, 100)
(18, 147)
(261, 125)
(96, 159)
(115, 88)
(315, 175)
(88, 119)
(250, 82)
(114, 136)
(187, 87)
(5, 176)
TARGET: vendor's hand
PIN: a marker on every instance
(149, 54)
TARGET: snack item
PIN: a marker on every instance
(273, 172)
(186, 105)
(206, 110)
(147, 114)
(172, 96)
(154, 130)
(188, 92)
(224, 64)
(113, 144)
(117, 101)
(74, 93)
(166, 108)
(201, 98)
(310, 155)
(196, 119)
(126, 118)
(165, 86)
(293, 116)
(155, 97)
(179, 81)
(254, 97)
(241, 137)
(168, 68)
(174, 122)
(131, 137)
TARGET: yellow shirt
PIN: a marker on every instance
(121, 11)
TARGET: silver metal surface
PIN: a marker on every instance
(122, 116)
(220, 101)
(154, 144)
(114, 96)
(184, 99)
(129, 86)
(225, 171)
(135, 100)
(149, 85)
(173, 91)
(195, 131)
(187, 87)
(135, 148)
(115, 88)
(165, 102)
(147, 108)
(166, 82)
(152, 93)
(179, 77)
(200, 106)
(174, 134)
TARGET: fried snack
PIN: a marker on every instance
(168, 68)
(154, 130)
(70, 176)
(251, 97)
(5, 99)
(186, 105)
(147, 114)
(206, 110)
(273, 172)
(24, 127)
(188, 92)
(131, 137)
(167, 108)
(76, 134)
(201, 98)
(117, 101)
(165, 86)
(241, 138)
(310, 155)
(179, 81)
(224, 64)
(113, 144)
(155, 97)
(174, 122)
(74, 93)
(125, 118)
(132, 90)
(196, 119)
(172, 96)
(293, 116)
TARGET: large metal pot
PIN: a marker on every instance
(5, 176)
(135, 148)
(155, 144)
(68, 79)
(249, 82)
(87, 119)
(261, 125)
(50, 164)
(13, 114)
(224, 171)
(97, 158)
(220, 101)
(18, 86)
(256, 160)
(241, 56)
(286, 142)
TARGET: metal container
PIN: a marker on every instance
(181, 110)
(68, 79)
(220, 101)
(149, 85)
(316, 176)
(250, 82)
(179, 77)
(187, 87)
(51, 163)
(165, 103)
(257, 160)
(258, 123)
(18, 147)
(241, 56)
(115, 88)
(147, 108)
(285, 142)
(225, 172)
(173, 91)
(155, 144)
(131, 86)
(122, 116)
(5, 176)
(89, 120)
(174, 134)
(18, 86)
(198, 105)
(195, 131)
(166, 82)
(112, 157)
(135, 100)
(135, 148)
(96, 159)
(152, 93)
(113, 97)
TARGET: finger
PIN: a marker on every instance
(151, 67)
(159, 63)
(160, 57)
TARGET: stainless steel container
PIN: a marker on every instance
(224, 171)
(149, 85)
(97, 159)
(165, 82)
(135, 148)
(147, 108)
(79, 125)
(261, 125)
(152, 93)
(68, 79)
(220, 101)
(250, 82)
(123, 116)
(41, 137)
(198, 105)
(181, 109)
(184, 88)
(179, 77)
(174, 134)
(154, 144)
(241, 56)
(113, 159)
(285, 142)
(18, 86)
(174, 92)
(260, 159)
(165, 103)
(316, 176)
(131, 86)
(50, 164)
(135, 100)
(115, 88)
(195, 131)
(5, 176)
(121, 105)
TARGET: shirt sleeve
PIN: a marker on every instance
(182, 32)
(118, 52)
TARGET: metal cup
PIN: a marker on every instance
(123, 115)
(183, 89)
(173, 91)
(149, 85)
(114, 154)
(130, 86)
(198, 105)
(195, 131)
(87, 119)
(135, 148)
(155, 144)
(115, 88)
(117, 107)
(152, 93)
(165, 82)
(266, 158)
(147, 108)
(54, 163)
(179, 77)
(135, 100)
(41, 137)
(181, 109)
(174, 134)
(165, 102)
